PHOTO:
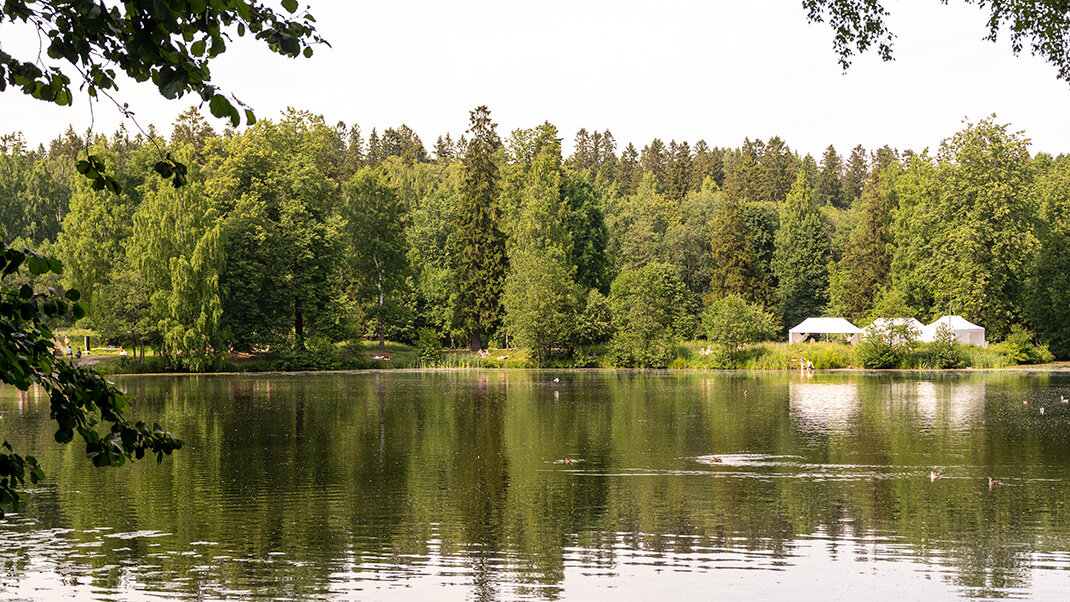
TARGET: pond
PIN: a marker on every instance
(410, 485)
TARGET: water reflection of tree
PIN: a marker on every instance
(366, 475)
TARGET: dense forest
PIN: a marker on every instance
(295, 234)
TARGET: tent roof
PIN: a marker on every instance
(826, 326)
(913, 322)
(957, 324)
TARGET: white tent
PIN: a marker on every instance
(811, 326)
(911, 323)
(964, 331)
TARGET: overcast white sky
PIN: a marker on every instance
(718, 70)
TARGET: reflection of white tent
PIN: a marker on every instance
(831, 326)
(823, 407)
(911, 323)
(964, 331)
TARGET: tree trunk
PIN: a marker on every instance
(299, 326)
(382, 326)
(474, 343)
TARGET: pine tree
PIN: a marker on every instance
(867, 261)
(655, 160)
(355, 148)
(444, 149)
(854, 176)
(829, 189)
(606, 152)
(743, 172)
(679, 171)
(375, 150)
(480, 256)
(800, 260)
(778, 165)
(736, 269)
(630, 174)
(706, 163)
(584, 155)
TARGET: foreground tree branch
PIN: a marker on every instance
(1042, 25)
(82, 402)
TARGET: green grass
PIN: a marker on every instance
(355, 355)
(782, 356)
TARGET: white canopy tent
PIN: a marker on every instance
(832, 326)
(963, 329)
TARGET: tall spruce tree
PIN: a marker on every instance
(480, 256)
(630, 173)
(743, 172)
(854, 176)
(736, 269)
(829, 188)
(778, 167)
(655, 160)
(679, 173)
(706, 163)
(867, 261)
(800, 260)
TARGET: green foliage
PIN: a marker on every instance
(279, 233)
(174, 50)
(651, 312)
(595, 323)
(429, 347)
(589, 235)
(801, 259)
(829, 188)
(945, 351)
(965, 229)
(540, 295)
(687, 239)
(375, 247)
(732, 324)
(860, 24)
(77, 395)
(1049, 278)
(885, 345)
(318, 353)
(867, 260)
(540, 301)
(479, 252)
(737, 270)
(1020, 347)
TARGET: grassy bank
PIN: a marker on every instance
(761, 356)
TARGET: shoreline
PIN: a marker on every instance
(1053, 367)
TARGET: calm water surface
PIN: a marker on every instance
(451, 485)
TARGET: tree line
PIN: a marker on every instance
(296, 234)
